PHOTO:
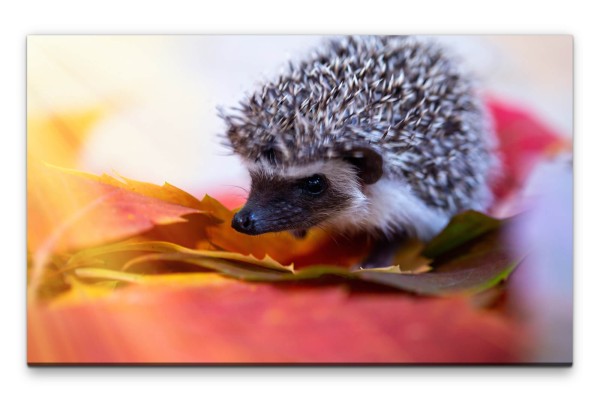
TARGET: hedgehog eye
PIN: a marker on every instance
(314, 185)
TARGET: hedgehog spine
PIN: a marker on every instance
(402, 98)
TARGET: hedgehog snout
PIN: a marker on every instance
(244, 221)
(260, 217)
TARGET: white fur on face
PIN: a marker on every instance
(385, 207)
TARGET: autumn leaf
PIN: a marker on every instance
(472, 261)
(69, 210)
(247, 258)
(461, 229)
(166, 248)
(409, 258)
(166, 192)
(208, 306)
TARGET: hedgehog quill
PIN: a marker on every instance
(377, 134)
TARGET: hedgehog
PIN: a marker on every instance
(382, 135)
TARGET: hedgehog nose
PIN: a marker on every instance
(244, 221)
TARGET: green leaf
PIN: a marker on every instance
(461, 229)
(473, 267)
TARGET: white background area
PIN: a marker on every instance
(160, 93)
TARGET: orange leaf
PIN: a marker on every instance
(68, 210)
(71, 210)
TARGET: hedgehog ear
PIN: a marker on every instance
(368, 163)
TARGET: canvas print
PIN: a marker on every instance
(299, 199)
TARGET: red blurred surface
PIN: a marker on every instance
(246, 322)
(523, 141)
